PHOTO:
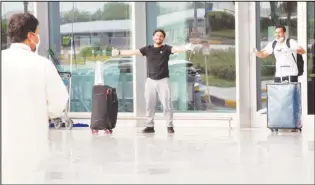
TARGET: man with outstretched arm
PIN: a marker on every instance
(158, 77)
(285, 51)
(286, 57)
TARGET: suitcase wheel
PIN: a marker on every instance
(69, 124)
(94, 131)
(108, 131)
(274, 130)
(57, 123)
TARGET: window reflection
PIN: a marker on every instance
(7, 10)
(210, 70)
(271, 14)
(94, 27)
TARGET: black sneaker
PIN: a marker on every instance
(170, 130)
(148, 130)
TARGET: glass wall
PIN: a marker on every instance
(203, 80)
(7, 10)
(82, 33)
(270, 14)
(311, 56)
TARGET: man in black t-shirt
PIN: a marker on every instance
(158, 76)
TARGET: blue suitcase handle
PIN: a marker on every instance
(65, 74)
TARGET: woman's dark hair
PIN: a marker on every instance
(19, 25)
(159, 30)
(283, 28)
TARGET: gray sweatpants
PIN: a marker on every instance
(162, 89)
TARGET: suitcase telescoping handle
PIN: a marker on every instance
(281, 76)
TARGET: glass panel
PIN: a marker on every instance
(210, 69)
(95, 27)
(7, 10)
(271, 14)
(311, 56)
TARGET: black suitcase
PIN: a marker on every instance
(104, 109)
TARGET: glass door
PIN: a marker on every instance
(309, 72)
(310, 57)
(202, 81)
(268, 16)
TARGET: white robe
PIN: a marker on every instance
(32, 91)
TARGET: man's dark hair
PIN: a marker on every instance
(159, 30)
(19, 25)
(283, 28)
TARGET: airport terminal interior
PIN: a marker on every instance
(219, 92)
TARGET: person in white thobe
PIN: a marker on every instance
(32, 92)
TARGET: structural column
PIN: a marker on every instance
(308, 120)
(41, 13)
(256, 12)
(151, 21)
(138, 41)
(54, 26)
(302, 40)
(243, 45)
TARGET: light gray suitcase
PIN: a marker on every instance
(284, 106)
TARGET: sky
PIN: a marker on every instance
(65, 6)
(13, 6)
(92, 7)
(88, 6)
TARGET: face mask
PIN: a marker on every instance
(281, 39)
(37, 45)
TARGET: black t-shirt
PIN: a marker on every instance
(157, 61)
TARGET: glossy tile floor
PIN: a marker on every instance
(191, 155)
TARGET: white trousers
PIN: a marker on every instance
(163, 90)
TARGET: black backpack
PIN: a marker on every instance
(299, 62)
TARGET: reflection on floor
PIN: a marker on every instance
(191, 155)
